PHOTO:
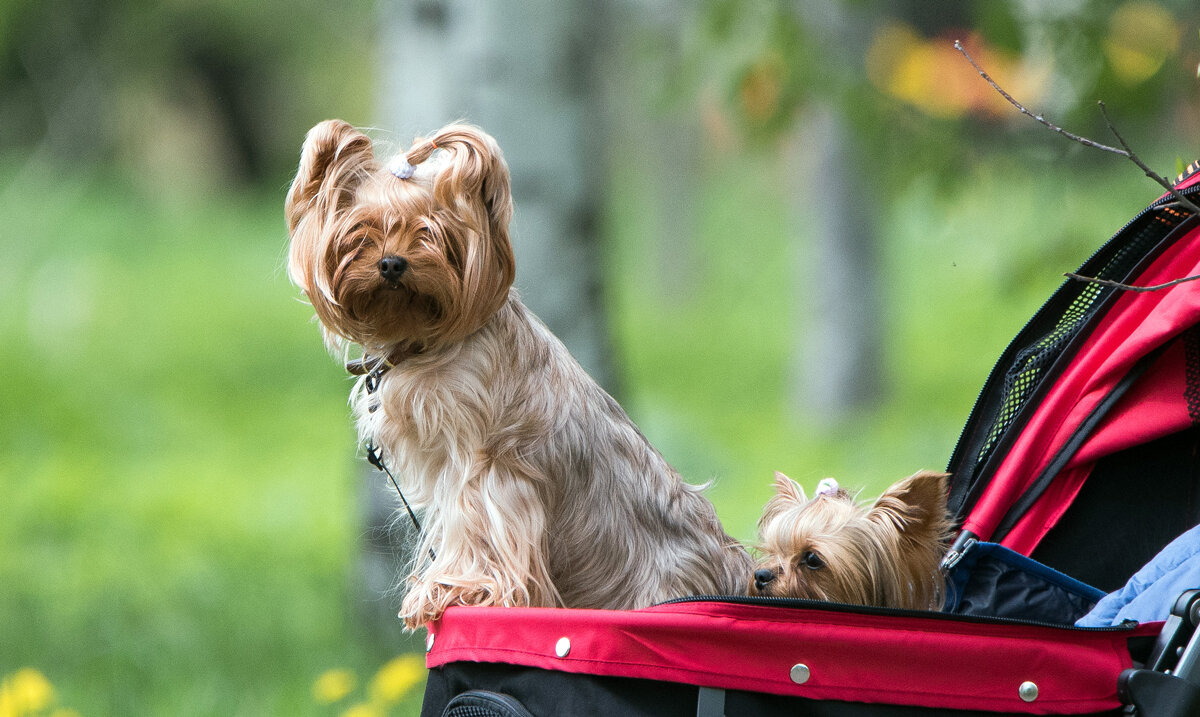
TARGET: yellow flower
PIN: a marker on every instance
(363, 709)
(331, 686)
(25, 691)
(396, 677)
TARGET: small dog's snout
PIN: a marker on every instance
(762, 577)
(391, 268)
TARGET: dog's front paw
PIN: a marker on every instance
(425, 602)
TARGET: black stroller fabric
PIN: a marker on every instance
(993, 581)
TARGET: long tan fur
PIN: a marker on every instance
(832, 548)
(537, 489)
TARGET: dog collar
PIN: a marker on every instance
(367, 365)
(372, 369)
(376, 366)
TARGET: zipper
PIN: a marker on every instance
(962, 544)
(871, 610)
(1009, 352)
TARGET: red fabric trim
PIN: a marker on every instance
(1136, 324)
(923, 662)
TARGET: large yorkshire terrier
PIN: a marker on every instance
(832, 548)
(538, 490)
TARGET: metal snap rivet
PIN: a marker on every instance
(1028, 691)
(429, 642)
(800, 673)
(562, 648)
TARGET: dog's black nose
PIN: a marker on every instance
(762, 577)
(392, 267)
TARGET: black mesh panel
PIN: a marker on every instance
(1035, 357)
(1030, 363)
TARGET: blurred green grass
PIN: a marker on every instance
(180, 523)
(962, 268)
(177, 464)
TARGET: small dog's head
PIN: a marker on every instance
(410, 254)
(831, 548)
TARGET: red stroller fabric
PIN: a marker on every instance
(924, 661)
(1156, 406)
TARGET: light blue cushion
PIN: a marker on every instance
(1153, 590)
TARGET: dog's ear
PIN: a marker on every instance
(788, 494)
(476, 170)
(334, 161)
(473, 185)
(915, 504)
(789, 488)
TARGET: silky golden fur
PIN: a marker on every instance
(885, 554)
(536, 488)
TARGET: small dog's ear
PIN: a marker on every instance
(789, 488)
(476, 170)
(474, 186)
(334, 160)
(915, 503)
(788, 495)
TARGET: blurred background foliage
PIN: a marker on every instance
(182, 505)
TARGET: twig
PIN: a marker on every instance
(1179, 198)
(1082, 140)
(1129, 287)
(1126, 152)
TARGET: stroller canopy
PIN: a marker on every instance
(1100, 371)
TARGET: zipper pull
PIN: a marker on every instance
(962, 545)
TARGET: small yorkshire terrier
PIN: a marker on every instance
(537, 488)
(832, 548)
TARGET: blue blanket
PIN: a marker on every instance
(1151, 592)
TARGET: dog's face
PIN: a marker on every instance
(831, 548)
(413, 262)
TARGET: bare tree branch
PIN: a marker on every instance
(1082, 140)
(1179, 198)
(1129, 287)
(1126, 151)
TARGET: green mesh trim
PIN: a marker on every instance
(1025, 373)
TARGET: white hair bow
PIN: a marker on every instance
(827, 486)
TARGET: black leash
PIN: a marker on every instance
(371, 382)
(374, 459)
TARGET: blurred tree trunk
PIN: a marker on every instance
(839, 340)
(523, 71)
(838, 357)
(664, 134)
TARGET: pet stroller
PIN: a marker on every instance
(1081, 458)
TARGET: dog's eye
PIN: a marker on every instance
(812, 561)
